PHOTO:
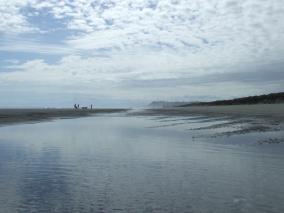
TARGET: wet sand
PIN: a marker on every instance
(234, 119)
(273, 111)
(12, 116)
(117, 164)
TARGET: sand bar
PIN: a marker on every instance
(10, 116)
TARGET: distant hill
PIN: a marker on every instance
(166, 104)
(260, 99)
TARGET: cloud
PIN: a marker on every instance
(11, 20)
(238, 28)
(150, 41)
(24, 46)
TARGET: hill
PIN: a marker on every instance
(260, 99)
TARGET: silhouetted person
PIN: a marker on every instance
(91, 106)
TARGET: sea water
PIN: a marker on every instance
(119, 163)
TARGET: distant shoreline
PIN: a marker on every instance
(274, 111)
(272, 98)
(14, 116)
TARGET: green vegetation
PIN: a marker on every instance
(261, 99)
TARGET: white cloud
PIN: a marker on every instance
(145, 39)
(241, 29)
(11, 20)
(18, 45)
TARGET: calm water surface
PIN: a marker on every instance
(137, 164)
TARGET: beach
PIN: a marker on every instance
(271, 111)
(12, 116)
(266, 111)
(118, 160)
(158, 163)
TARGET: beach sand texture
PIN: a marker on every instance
(275, 111)
(10, 116)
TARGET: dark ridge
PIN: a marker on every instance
(260, 99)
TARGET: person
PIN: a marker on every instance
(75, 106)
(91, 106)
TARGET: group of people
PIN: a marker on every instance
(77, 106)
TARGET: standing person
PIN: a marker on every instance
(91, 106)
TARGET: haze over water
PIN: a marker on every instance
(117, 163)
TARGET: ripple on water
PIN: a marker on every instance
(115, 164)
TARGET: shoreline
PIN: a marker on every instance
(237, 120)
(272, 111)
(15, 116)
(268, 111)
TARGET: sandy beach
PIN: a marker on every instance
(235, 119)
(12, 116)
(273, 111)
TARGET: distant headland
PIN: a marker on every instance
(271, 98)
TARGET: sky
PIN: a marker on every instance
(114, 53)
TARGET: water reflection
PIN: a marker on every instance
(43, 186)
(117, 164)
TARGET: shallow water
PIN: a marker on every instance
(119, 163)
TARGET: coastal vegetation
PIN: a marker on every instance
(272, 98)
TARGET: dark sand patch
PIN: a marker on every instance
(246, 130)
(223, 125)
(13, 116)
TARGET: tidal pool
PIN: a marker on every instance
(119, 163)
